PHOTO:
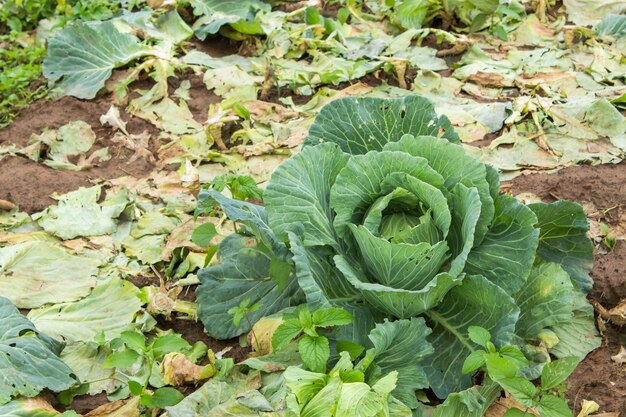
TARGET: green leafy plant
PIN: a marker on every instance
(345, 390)
(29, 359)
(497, 16)
(313, 345)
(242, 311)
(131, 350)
(504, 366)
(609, 238)
(110, 44)
(20, 59)
(383, 213)
(242, 187)
(393, 361)
(19, 15)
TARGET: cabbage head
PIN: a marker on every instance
(383, 213)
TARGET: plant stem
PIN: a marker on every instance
(256, 341)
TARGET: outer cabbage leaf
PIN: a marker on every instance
(545, 300)
(323, 285)
(472, 402)
(242, 274)
(299, 194)
(217, 13)
(578, 336)
(359, 125)
(36, 273)
(110, 308)
(83, 55)
(28, 359)
(507, 253)
(476, 302)
(401, 346)
(563, 239)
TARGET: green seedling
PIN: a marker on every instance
(305, 327)
(504, 367)
(131, 350)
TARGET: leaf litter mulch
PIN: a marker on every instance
(486, 87)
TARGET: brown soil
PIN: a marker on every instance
(29, 184)
(83, 404)
(192, 331)
(597, 378)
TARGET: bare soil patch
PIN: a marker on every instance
(29, 184)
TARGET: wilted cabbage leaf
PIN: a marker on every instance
(588, 12)
(110, 308)
(70, 140)
(29, 407)
(78, 213)
(36, 273)
(86, 359)
(233, 395)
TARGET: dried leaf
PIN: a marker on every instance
(620, 358)
(113, 119)
(178, 370)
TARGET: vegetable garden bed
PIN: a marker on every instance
(299, 210)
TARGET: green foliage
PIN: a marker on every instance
(242, 311)
(242, 187)
(204, 234)
(307, 328)
(131, 350)
(369, 213)
(609, 238)
(504, 366)
(28, 359)
(20, 60)
(20, 15)
(344, 390)
(24, 15)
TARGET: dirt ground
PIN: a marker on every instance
(29, 184)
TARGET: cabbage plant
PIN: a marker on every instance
(383, 213)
